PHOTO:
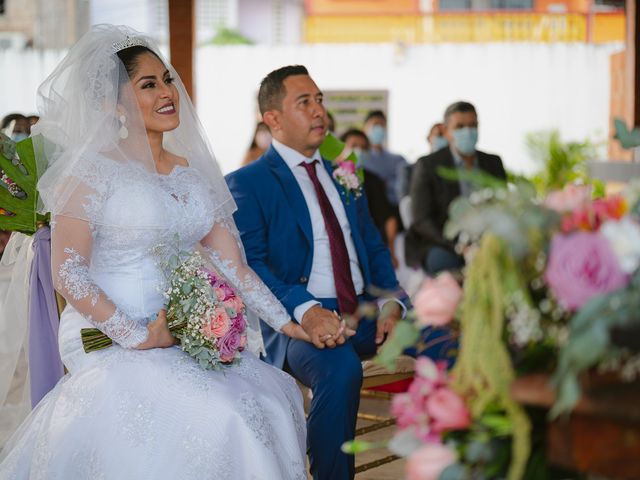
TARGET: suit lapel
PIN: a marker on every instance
(453, 185)
(292, 191)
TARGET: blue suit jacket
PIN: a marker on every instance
(275, 227)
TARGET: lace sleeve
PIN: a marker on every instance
(224, 249)
(71, 242)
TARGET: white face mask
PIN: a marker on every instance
(263, 139)
(19, 136)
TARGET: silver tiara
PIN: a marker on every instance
(128, 42)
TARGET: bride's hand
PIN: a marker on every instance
(295, 330)
(159, 334)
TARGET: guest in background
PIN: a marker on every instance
(384, 215)
(431, 194)
(379, 160)
(436, 138)
(259, 143)
(16, 126)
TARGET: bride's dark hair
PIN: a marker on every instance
(129, 57)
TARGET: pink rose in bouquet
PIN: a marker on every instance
(428, 462)
(437, 300)
(568, 199)
(447, 411)
(582, 265)
(229, 345)
(218, 325)
(347, 166)
(591, 215)
(238, 323)
(429, 407)
(234, 303)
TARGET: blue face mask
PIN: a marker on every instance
(438, 143)
(465, 140)
(377, 134)
(17, 137)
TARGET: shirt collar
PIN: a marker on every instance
(292, 157)
(458, 160)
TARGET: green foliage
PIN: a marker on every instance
(227, 36)
(628, 138)
(17, 161)
(562, 162)
(404, 335)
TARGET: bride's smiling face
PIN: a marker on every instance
(156, 94)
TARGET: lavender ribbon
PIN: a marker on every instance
(45, 366)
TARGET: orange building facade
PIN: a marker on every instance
(439, 21)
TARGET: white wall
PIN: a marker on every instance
(517, 88)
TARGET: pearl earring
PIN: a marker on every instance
(123, 132)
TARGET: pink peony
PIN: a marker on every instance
(428, 462)
(582, 265)
(447, 411)
(229, 345)
(437, 300)
(568, 199)
(220, 293)
(219, 323)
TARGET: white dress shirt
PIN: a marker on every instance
(321, 283)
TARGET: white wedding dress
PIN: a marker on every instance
(122, 413)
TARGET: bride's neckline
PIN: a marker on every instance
(174, 169)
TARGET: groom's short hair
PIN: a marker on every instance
(272, 89)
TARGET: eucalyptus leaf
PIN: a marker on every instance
(405, 442)
(455, 471)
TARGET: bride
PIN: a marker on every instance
(127, 168)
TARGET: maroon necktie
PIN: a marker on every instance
(346, 292)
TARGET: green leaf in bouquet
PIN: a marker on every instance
(404, 335)
(405, 442)
(186, 288)
(476, 452)
(500, 425)
(331, 147)
(358, 446)
(455, 471)
(18, 210)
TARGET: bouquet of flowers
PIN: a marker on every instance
(549, 280)
(203, 313)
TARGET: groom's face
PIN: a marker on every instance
(301, 121)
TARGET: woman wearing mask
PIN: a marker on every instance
(127, 168)
(16, 126)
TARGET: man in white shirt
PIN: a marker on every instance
(312, 241)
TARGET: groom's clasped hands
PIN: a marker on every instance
(325, 327)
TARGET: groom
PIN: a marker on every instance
(315, 246)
